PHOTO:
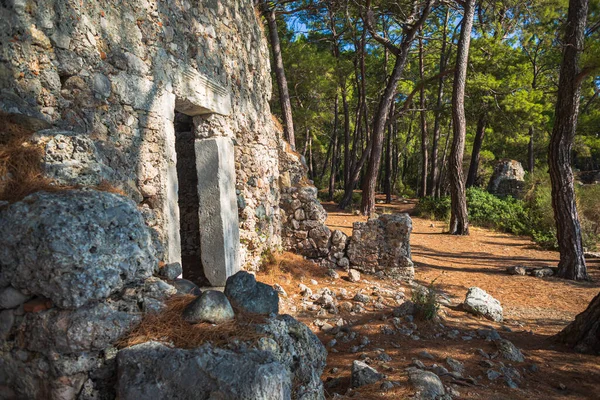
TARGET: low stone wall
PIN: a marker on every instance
(382, 246)
(303, 217)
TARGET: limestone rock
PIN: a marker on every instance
(92, 327)
(508, 179)
(288, 363)
(509, 351)
(184, 286)
(427, 384)
(382, 244)
(542, 272)
(245, 293)
(363, 374)
(74, 246)
(171, 271)
(479, 302)
(212, 306)
(153, 370)
(353, 275)
(516, 270)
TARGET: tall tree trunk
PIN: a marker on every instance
(435, 172)
(442, 179)
(572, 264)
(334, 156)
(387, 183)
(346, 135)
(474, 167)
(284, 95)
(459, 220)
(401, 53)
(311, 166)
(583, 334)
(530, 155)
(424, 137)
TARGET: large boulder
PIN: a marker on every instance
(286, 363)
(479, 302)
(153, 370)
(508, 179)
(74, 246)
(383, 244)
(428, 385)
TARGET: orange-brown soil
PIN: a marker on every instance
(534, 310)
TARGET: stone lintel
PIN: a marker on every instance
(199, 95)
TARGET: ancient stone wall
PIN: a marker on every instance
(111, 75)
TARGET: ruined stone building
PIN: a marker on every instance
(166, 101)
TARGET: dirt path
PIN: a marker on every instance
(459, 262)
(534, 309)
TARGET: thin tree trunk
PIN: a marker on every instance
(424, 137)
(311, 166)
(442, 179)
(346, 136)
(334, 156)
(459, 222)
(530, 155)
(370, 181)
(284, 95)
(572, 263)
(474, 167)
(435, 172)
(387, 183)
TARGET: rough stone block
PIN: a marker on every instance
(219, 229)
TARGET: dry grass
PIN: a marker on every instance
(277, 123)
(170, 328)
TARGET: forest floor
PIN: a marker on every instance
(534, 310)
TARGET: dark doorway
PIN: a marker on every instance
(188, 202)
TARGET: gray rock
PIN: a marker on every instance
(428, 385)
(74, 246)
(405, 309)
(362, 298)
(479, 302)
(363, 374)
(153, 370)
(184, 286)
(439, 369)
(92, 327)
(7, 319)
(244, 292)
(426, 354)
(353, 275)
(509, 351)
(542, 272)
(492, 375)
(280, 290)
(212, 306)
(455, 365)
(12, 298)
(171, 271)
(508, 179)
(516, 270)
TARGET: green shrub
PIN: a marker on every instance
(426, 302)
(504, 214)
(434, 208)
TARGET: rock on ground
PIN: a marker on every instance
(75, 246)
(509, 351)
(244, 292)
(428, 385)
(479, 302)
(212, 306)
(363, 374)
(153, 370)
(286, 363)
